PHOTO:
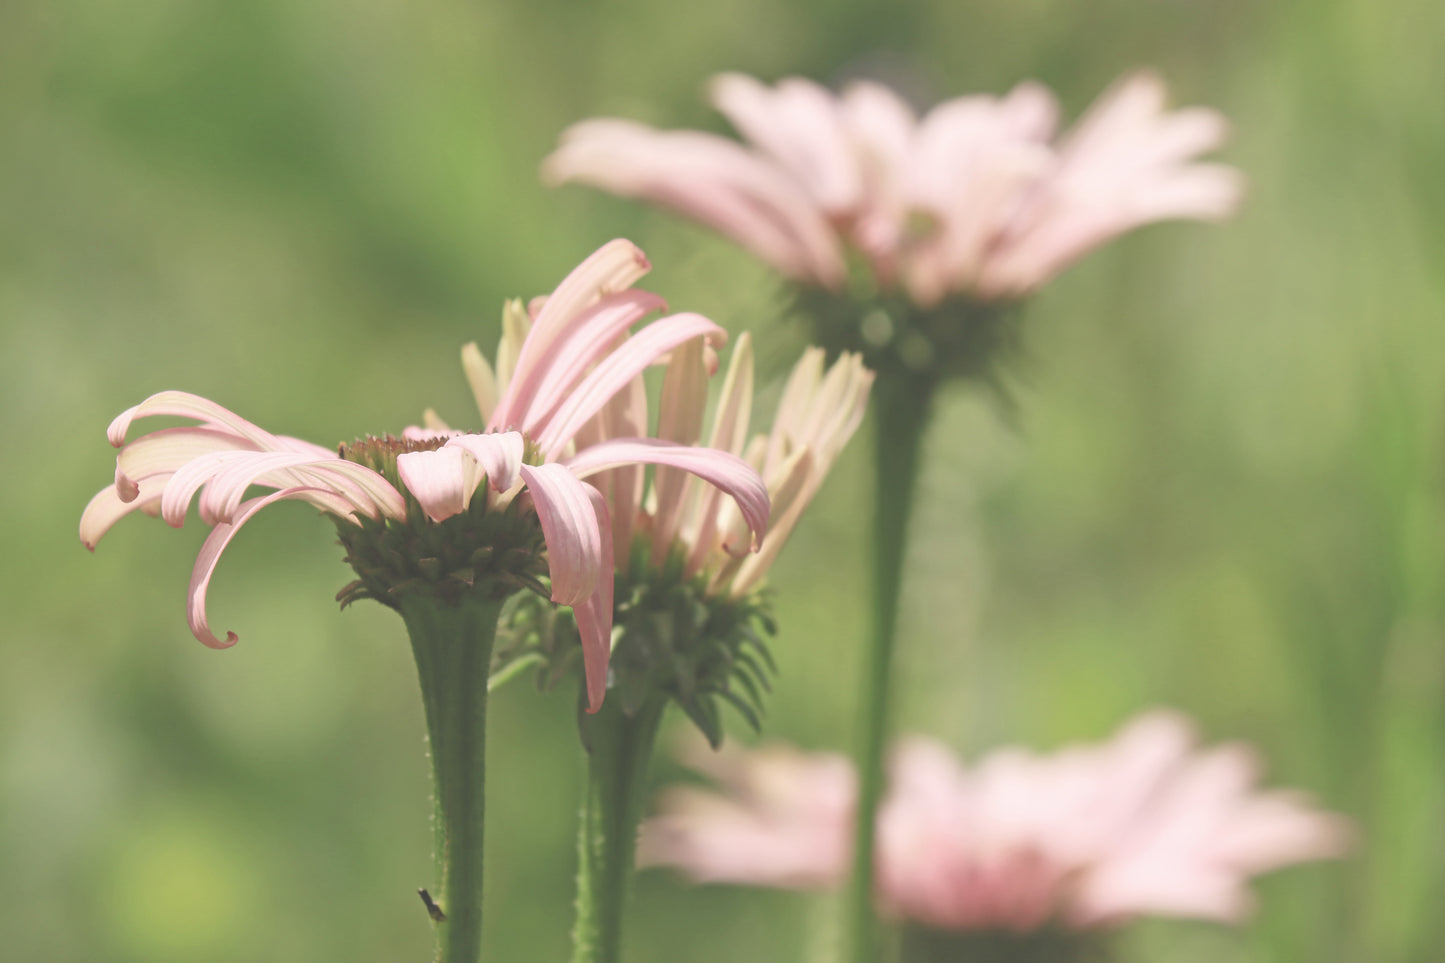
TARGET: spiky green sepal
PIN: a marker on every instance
(670, 637)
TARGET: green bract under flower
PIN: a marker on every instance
(670, 638)
(956, 338)
(486, 552)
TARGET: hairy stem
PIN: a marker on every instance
(619, 750)
(453, 649)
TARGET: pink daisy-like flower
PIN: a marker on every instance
(690, 625)
(576, 356)
(1090, 836)
(979, 197)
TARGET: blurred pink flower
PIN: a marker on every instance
(576, 355)
(978, 197)
(784, 822)
(1141, 825)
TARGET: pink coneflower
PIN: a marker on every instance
(1084, 838)
(980, 197)
(674, 537)
(425, 490)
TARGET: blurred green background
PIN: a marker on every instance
(1221, 488)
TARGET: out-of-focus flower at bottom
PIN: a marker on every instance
(1083, 839)
(785, 821)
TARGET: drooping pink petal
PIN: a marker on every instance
(185, 405)
(167, 450)
(370, 493)
(191, 478)
(613, 373)
(232, 471)
(594, 615)
(227, 486)
(367, 492)
(442, 481)
(725, 471)
(571, 530)
(205, 566)
(302, 446)
(108, 507)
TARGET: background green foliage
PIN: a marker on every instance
(1220, 489)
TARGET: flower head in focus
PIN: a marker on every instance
(689, 614)
(1082, 839)
(441, 513)
(937, 220)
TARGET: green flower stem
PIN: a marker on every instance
(453, 649)
(619, 750)
(901, 408)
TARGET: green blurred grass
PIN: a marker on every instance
(1222, 489)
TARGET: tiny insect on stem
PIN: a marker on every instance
(433, 910)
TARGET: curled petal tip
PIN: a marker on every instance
(127, 488)
(638, 257)
(231, 639)
(730, 547)
(637, 253)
